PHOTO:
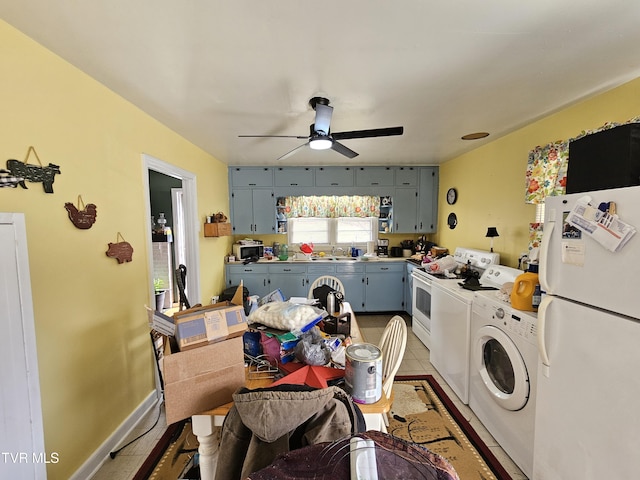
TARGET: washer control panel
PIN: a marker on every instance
(512, 321)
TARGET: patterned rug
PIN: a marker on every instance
(423, 414)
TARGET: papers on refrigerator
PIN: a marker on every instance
(600, 223)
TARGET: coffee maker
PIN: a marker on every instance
(383, 247)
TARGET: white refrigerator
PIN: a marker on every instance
(588, 391)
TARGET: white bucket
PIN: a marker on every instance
(363, 373)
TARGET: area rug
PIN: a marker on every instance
(423, 414)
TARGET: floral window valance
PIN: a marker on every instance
(547, 166)
(332, 206)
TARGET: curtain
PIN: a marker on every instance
(546, 174)
(332, 206)
(547, 166)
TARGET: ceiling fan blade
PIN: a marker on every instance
(323, 118)
(288, 154)
(347, 152)
(376, 132)
(275, 136)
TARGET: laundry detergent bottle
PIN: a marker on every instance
(524, 287)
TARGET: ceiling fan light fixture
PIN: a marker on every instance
(320, 143)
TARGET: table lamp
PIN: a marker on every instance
(492, 232)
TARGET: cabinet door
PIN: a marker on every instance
(384, 287)
(428, 200)
(374, 176)
(405, 210)
(354, 289)
(408, 288)
(251, 176)
(334, 177)
(253, 211)
(290, 279)
(264, 211)
(293, 177)
(407, 176)
(242, 211)
(253, 277)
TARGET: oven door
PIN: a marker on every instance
(421, 308)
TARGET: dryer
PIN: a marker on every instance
(503, 370)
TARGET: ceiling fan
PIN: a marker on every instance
(320, 136)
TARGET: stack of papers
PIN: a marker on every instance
(600, 224)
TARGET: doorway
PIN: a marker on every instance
(184, 207)
(21, 431)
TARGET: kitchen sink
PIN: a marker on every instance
(334, 259)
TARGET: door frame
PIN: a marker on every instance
(32, 435)
(191, 223)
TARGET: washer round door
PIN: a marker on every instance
(501, 368)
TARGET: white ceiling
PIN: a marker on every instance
(212, 70)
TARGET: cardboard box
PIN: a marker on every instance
(200, 326)
(209, 324)
(202, 378)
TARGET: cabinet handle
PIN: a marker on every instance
(264, 282)
(375, 183)
(286, 269)
(367, 282)
(293, 184)
(303, 282)
(384, 268)
(334, 184)
(252, 184)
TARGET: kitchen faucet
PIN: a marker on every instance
(334, 249)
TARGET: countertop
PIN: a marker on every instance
(325, 260)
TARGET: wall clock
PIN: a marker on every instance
(452, 196)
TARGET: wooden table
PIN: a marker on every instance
(204, 424)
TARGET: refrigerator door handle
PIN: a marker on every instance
(542, 346)
(547, 232)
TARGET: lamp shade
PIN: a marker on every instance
(492, 232)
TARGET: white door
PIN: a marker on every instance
(21, 432)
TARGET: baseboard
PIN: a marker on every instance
(101, 455)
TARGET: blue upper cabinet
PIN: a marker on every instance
(334, 177)
(251, 177)
(407, 176)
(374, 176)
(428, 200)
(293, 177)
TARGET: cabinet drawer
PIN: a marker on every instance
(385, 267)
(287, 268)
(293, 177)
(250, 268)
(350, 267)
(251, 177)
(321, 268)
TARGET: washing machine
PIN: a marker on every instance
(503, 369)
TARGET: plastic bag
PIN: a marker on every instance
(286, 315)
(312, 350)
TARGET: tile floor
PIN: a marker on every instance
(416, 362)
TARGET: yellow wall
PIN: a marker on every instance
(490, 179)
(93, 343)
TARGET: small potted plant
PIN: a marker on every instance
(158, 286)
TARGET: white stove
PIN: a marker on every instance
(423, 280)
